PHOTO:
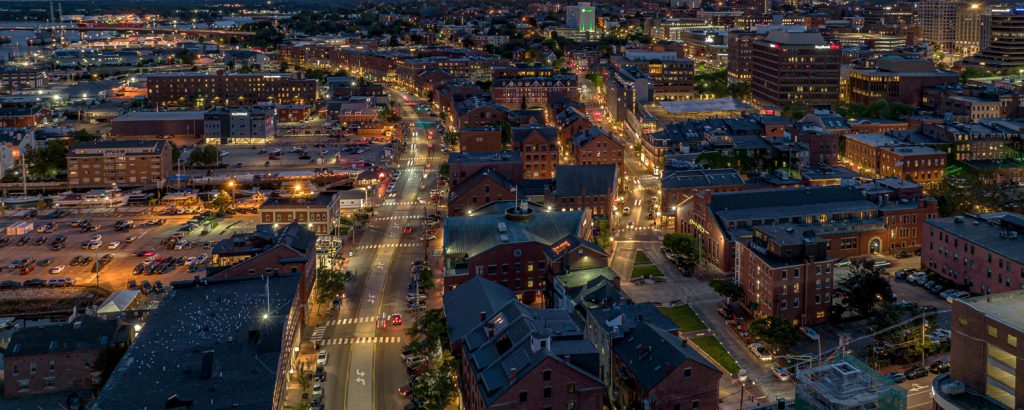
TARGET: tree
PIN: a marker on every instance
(205, 156)
(778, 333)
(83, 136)
(435, 387)
(444, 170)
(726, 288)
(683, 245)
(222, 202)
(426, 278)
(868, 288)
(330, 283)
(47, 162)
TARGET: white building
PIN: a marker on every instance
(240, 125)
(582, 17)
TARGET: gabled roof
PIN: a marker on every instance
(515, 339)
(84, 333)
(651, 354)
(568, 116)
(520, 134)
(484, 174)
(576, 180)
(464, 305)
(584, 137)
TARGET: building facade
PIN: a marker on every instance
(240, 125)
(980, 252)
(208, 89)
(127, 163)
(795, 69)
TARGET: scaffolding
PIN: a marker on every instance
(846, 383)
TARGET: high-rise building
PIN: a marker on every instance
(740, 49)
(795, 69)
(937, 19)
(127, 163)
(671, 76)
(1002, 46)
(582, 17)
(968, 28)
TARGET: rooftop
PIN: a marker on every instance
(577, 180)
(698, 106)
(991, 231)
(700, 178)
(484, 157)
(208, 344)
(83, 333)
(489, 227)
(80, 148)
(161, 116)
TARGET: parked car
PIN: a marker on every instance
(57, 269)
(60, 282)
(939, 366)
(897, 377)
(321, 358)
(114, 245)
(915, 372)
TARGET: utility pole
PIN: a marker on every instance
(922, 339)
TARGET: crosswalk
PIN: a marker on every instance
(394, 202)
(362, 340)
(351, 320)
(389, 245)
(396, 218)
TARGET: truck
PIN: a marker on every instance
(20, 228)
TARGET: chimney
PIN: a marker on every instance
(683, 341)
(512, 373)
(483, 315)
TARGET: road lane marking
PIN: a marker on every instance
(363, 340)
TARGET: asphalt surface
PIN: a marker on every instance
(364, 368)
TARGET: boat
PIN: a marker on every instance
(97, 198)
(20, 200)
(5, 39)
(139, 195)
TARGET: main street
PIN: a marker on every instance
(364, 368)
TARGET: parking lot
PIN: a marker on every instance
(116, 274)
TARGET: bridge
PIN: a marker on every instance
(160, 30)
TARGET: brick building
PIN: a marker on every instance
(128, 163)
(480, 139)
(785, 271)
(984, 354)
(880, 217)
(578, 187)
(462, 165)
(655, 369)
(57, 358)
(981, 252)
(319, 213)
(528, 92)
(542, 244)
(539, 149)
(480, 189)
(595, 146)
(679, 184)
(155, 124)
(23, 117)
(511, 356)
(880, 156)
(895, 79)
(477, 111)
(794, 69)
(208, 89)
(570, 121)
(671, 75)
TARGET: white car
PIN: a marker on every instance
(58, 269)
(97, 237)
(114, 245)
(321, 358)
(760, 351)
(190, 260)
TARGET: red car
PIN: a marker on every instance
(396, 319)
(28, 269)
(408, 230)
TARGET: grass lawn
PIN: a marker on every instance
(714, 348)
(646, 270)
(641, 258)
(684, 317)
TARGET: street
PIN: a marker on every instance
(364, 364)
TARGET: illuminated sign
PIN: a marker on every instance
(239, 114)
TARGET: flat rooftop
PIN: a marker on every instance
(161, 116)
(697, 106)
(1004, 307)
(986, 230)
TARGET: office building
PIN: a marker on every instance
(251, 125)
(968, 28)
(671, 76)
(895, 79)
(794, 69)
(127, 163)
(937, 19)
(881, 156)
(740, 48)
(581, 17)
(1002, 47)
(981, 252)
(194, 89)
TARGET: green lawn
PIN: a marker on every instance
(646, 270)
(684, 317)
(714, 348)
(641, 258)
